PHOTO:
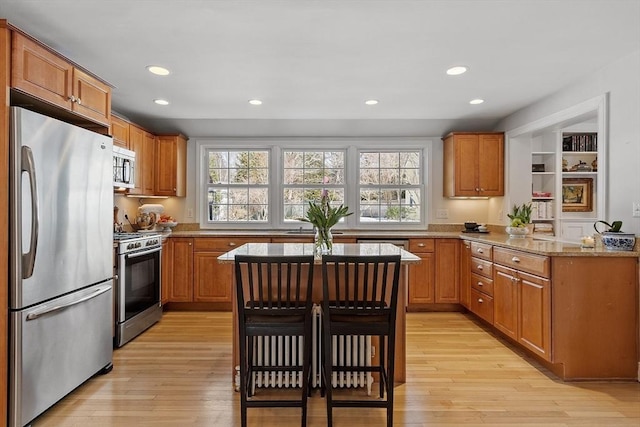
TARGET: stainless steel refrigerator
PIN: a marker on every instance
(61, 240)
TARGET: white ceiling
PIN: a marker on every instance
(314, 62)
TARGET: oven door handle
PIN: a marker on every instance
(143, 252)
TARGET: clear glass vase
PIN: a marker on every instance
(322, 242)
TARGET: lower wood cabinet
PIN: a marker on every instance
(522, 304)
(167, 271)
(193, 273)
(436, 279)
(465, 273)
(181, 289)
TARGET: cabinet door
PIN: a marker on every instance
(171, 155)
(465, 273)
(535, 314)
(182, 283)
(136, 143)
(92, 97)
(167, 270)
(421, 276)
(491, 165)
(39, 72)
(447, 278)
(505, 301)
(466, 165)
(148, 163)
(120, 132)
(212, 280)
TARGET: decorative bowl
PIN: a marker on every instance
(618, 241)
(517, 232)
(167, 225)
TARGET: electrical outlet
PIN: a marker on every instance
(442, 213)
(636, 209)
(189, 213)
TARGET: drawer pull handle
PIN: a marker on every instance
(480, 300)
(480, 251)
(479, 267)
(421, 245)
(515, 259)
(232, 243)
(480, 284)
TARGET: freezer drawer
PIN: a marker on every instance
(55, 347)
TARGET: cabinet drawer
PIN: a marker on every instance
(482, 284)
(482, 305)
(534, 264)
(225, 243)
(481, 250)
(482, 267)
(422, 245)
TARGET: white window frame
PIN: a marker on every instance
(277, 146)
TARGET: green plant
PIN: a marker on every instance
(520, 216)
(614, 227)
(322, 215)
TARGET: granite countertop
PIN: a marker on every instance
(548, 246)
(278, 249)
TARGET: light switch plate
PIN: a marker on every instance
(636, 209)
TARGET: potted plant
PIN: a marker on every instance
(613, 238)
(520, 217)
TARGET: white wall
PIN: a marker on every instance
(621, 80)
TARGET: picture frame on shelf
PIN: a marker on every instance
(577, 195)
(537, 167)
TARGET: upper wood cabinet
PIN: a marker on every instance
(136, 143)
(171, 166)
(147, 162)
(120, 131)
(473, 164)
(40, 72)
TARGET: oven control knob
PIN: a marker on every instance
(130, 246)
(138, 244)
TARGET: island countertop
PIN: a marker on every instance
(279, 249)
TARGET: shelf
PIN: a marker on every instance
(543, 173)
(593, 153)
(580, 173)
(542, 198)
(543, 153)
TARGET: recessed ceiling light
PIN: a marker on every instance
(371, 101)
(158, 70)
(457, 70)
(161, 101)
(255, 102)
(476, 101)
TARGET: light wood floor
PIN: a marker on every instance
(459, 374)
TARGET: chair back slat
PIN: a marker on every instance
(361, 282)
(273, 282)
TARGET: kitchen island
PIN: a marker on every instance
(369, 249)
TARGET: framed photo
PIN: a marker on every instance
(577, 195)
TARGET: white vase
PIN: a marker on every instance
(517, 232)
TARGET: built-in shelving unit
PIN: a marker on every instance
(558, 163)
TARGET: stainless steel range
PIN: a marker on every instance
(137, 299)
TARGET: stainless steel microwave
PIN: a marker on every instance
(123, 167)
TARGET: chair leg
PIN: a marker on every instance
(328, 376)
(381, 344)
(390, 379)
(243, 380)
(306, 368)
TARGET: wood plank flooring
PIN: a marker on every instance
(459, 374)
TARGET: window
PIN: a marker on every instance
(238, 186)
(267, 183)
(390, 186)
(306, 174)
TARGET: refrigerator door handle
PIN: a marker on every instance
(48, 310)
(29, 258)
